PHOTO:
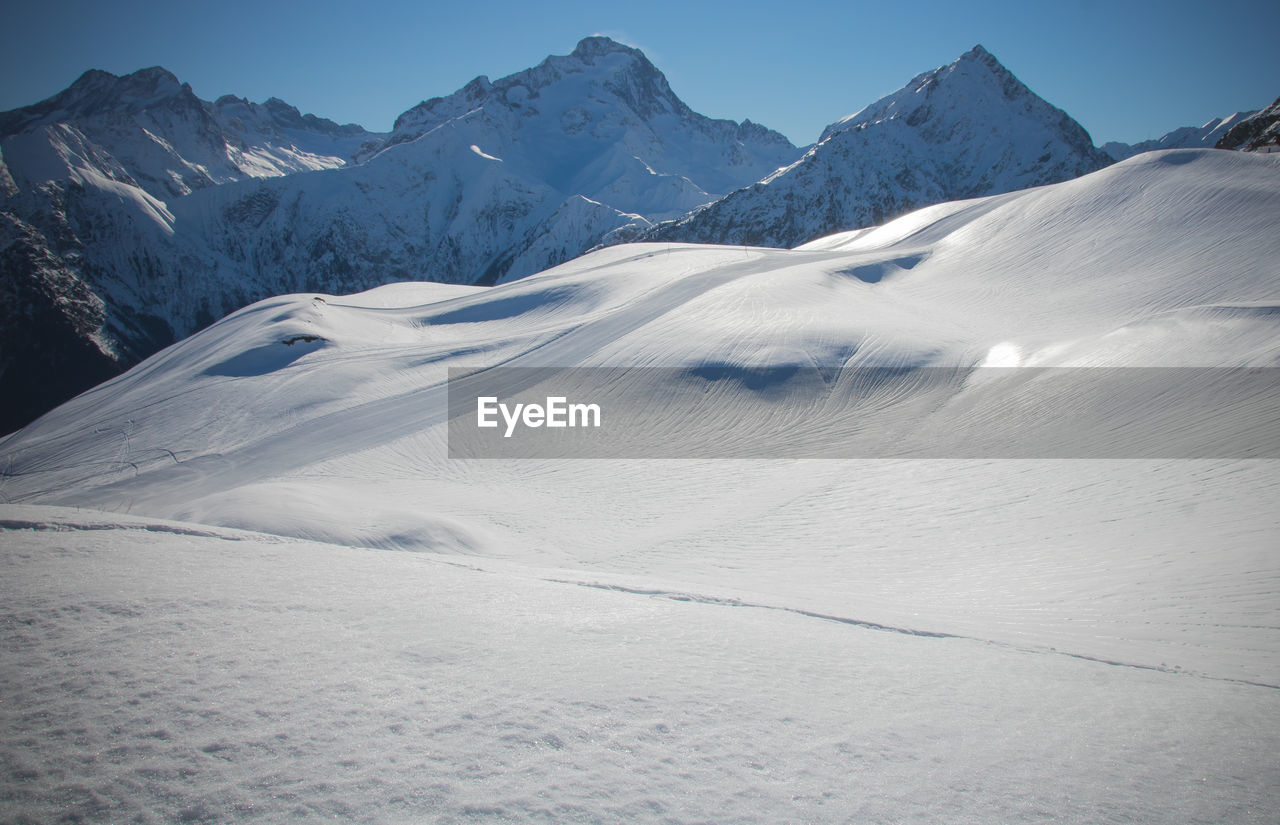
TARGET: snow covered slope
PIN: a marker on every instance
(739, 640)
(325, 417)
(963, 130)
(160, 671)
(1186, 137)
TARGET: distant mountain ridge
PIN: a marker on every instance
(963, 130)
(168, 141)
(1185, 137)
(1260, 132)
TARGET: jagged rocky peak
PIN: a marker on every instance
(598, 45)
(517, 88)
(477, 89)
(97, 86)
(132, 92)
(611, 67)
(155, 80)
(282, 114)
(1260, 132)
(95, 92)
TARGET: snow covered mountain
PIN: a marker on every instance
(960, 131)
(1258, 133)
(733, 640)
(149, 130)
(170, 212)
(85, 232)
(499, 179)
(603, 122)
(1186, 137)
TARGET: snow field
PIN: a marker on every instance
(160, 673)
(672, 641)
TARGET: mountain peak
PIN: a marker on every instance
(968, 79)
(980, 56)
(96, 83)
(98, 91)
(597, 45)
(154, 75)
(634, 80)
(966, 129)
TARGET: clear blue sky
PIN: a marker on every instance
(1126, 70)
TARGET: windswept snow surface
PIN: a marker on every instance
(225, 632)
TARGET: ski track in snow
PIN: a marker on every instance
(905, 631)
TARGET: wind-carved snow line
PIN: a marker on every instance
(679, 596)
(68, 527)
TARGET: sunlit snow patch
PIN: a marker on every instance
(482, 154)
(1005, 354)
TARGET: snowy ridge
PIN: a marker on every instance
(602, 122)
(963, 130)
(1258, 133)
(170, 142)
(1186, 137)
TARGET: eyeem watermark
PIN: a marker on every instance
(557, 412)
(803, 411)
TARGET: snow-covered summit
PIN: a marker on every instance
(620, 69)
(582, 121)
(974, 74)
(167, 141)
(967, 129)
(96, 92)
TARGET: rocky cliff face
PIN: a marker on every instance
(1258, 133)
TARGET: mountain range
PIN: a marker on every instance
(266, 573)
(134, 213)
